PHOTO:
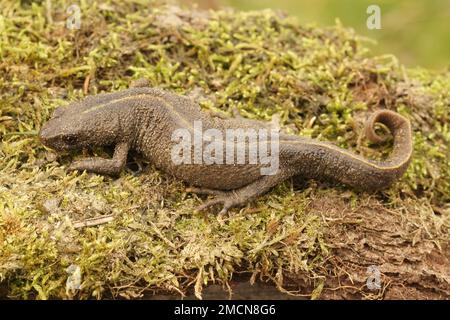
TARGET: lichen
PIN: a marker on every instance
(322, 82)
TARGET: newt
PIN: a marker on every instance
(144, 119)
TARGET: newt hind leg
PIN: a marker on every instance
(239, 197)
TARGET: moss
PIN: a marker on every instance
(322, 82)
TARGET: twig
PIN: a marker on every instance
(93, 221)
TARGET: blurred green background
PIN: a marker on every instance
(416, 31)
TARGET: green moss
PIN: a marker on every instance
(322, 82)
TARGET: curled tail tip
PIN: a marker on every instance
(391, 119)
(400, 128)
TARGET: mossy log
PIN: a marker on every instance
(309, 240)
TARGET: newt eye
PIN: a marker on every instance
(71, 139)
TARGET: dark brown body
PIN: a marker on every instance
(144, 119)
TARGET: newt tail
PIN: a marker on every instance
(327, 161)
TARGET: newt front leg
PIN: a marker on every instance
(98, 165)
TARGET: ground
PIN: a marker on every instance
(139, 235)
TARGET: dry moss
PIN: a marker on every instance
(312, 239)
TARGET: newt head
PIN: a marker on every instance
(75, 127)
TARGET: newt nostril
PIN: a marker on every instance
(44, 135)
(42, 132)
(41, 135)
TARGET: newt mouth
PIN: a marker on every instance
(53, 141)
